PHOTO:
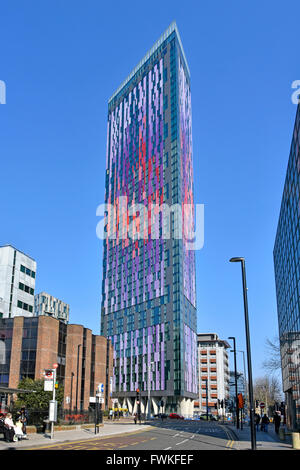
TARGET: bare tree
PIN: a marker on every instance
(267, 389)
(272, 364)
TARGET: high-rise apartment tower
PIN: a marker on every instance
(148, 290)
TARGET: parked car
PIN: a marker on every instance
(175, 416)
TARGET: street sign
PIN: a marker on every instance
(262, 405)
(48, 374)
(48, 385)
(100, 388)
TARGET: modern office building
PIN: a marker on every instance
(17, 283)
(213, 374)
(46, 304)
(287, 278)
(28, 346)
(148, 290)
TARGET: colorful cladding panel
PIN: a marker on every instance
(135, 266)
(185, 111)
(145, 343)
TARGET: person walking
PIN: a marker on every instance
(257, 421)
(135, 418)
(277, 421)
(264, 423)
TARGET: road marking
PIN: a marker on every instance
(167, 448)
(178, 443)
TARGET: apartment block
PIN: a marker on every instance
(213, 372)
(17, 283)
(46, 304)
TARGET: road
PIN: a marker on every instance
(170, 435)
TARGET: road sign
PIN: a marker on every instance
(48, 385)
(48, 374)
(101, 388)
(262, 405)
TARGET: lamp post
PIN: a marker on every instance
(206, 390)
(250, 383)
(235, 381)
(78, 349)
(245, 378)
(71, 398)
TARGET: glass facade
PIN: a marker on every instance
(29, 344)
(287, 276)
(6, 333)
(148, 290)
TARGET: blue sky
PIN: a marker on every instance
(62, 60)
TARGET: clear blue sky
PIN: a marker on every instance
(62, 60)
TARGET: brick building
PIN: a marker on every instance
(30, 345)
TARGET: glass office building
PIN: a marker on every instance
(148, 290)
(287, 276)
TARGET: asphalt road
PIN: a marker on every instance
(169, 435)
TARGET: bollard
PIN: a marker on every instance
(296, 440)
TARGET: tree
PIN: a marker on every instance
(39, 399)
(273, 363)
(268, 390)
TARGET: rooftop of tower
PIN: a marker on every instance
(157, 44)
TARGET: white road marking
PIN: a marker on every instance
(178, 443)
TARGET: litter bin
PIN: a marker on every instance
(296, 440)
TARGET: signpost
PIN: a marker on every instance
(49, 386)
(98, 405)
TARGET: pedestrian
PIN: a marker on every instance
(7, 431)
(257, 421)
(10, 425)
(264, 423)
(19, 429)
(277, 421)
(111, 414)
(135, 418)
(24, 419)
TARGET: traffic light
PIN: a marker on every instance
(138, 398)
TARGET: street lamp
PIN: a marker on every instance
(236, 388)
(250, 383)
(71, 398)
(78, 349)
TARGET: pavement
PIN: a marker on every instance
(236, 439)
(80, 434)
(264, 440)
